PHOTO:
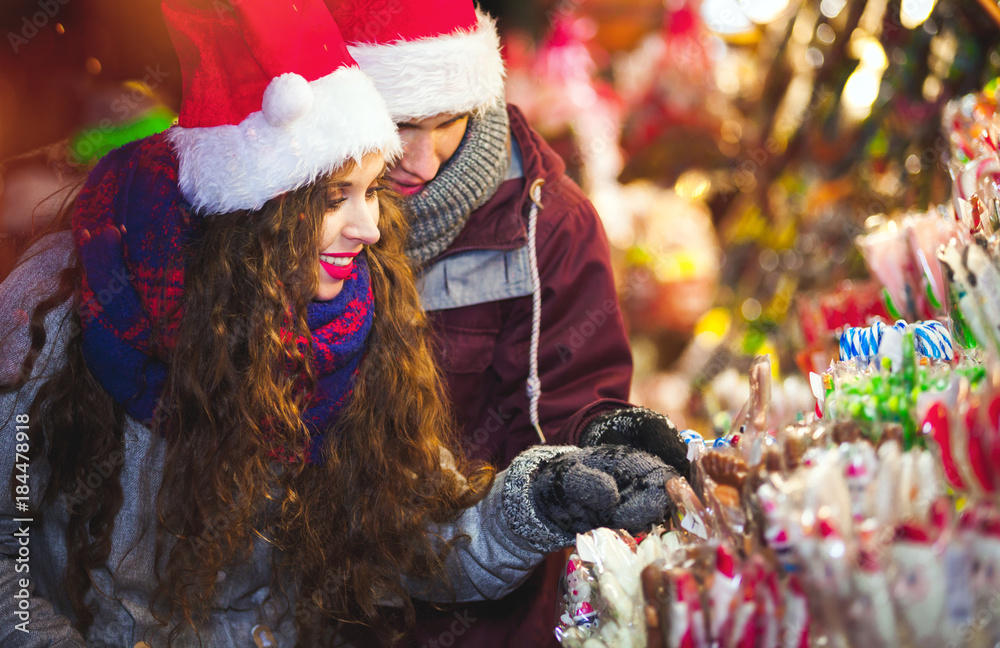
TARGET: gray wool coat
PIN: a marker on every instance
(34, 610)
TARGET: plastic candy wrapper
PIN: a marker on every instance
(966, 436)
(979, 532)
(693, 521)
(903, 255)
(974, 283)
(925, 582)
(888, 255)
(703, 595)
(967, 122)
(927, 233)
(601, 596)
(973, 130)
(749, 428)
(931, 340)
(723, 475)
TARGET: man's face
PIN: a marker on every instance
(427, 144)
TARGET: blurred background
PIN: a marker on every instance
(734, 149)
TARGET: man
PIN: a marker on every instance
(515, 273)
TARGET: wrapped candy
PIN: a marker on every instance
(927, 233)
(579, 608)
(861, 343)
(724, 585)
(766, 629)
(749, 428)
(966, 122)
(887, 254)
(656, 591)
(836, 531)
(797, 623)
(937, 425)
(918, 586)
(781, 534)
(746, 619)
(872, 618)
(876, 397)
(602, 601)
(695, 443)
(725, 473)
(981, 531)
(975, 289)
(860, 466)
(931, 339)
(689, 515)
(688, 627)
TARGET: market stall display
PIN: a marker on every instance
(873, 521)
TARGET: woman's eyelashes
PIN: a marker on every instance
(337, 197)
(374, 189)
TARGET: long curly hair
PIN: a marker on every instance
(345, 530)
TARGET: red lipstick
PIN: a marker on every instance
(337, 272)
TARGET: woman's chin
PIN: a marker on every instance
(328, 291)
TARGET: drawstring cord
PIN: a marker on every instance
(534, 383)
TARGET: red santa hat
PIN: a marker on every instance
(272, 101)
(427, 57)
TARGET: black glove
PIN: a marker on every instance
(641, 428)
(551, 493)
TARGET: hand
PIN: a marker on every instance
(640, 428)
(551, 493)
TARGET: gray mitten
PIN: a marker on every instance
(551, 493)
(642, 429)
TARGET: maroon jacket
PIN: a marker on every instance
(584, 360)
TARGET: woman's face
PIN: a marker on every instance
(349, 223)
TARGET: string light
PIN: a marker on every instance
(913, 13)
(862, 87)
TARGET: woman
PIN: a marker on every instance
(246, 439)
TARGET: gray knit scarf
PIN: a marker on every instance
(438, 213)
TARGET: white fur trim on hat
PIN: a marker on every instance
(460, 72)
(304, 131)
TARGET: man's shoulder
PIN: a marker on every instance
(541, 162)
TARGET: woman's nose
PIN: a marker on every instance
(362, 225)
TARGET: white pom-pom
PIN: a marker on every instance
(286, 98)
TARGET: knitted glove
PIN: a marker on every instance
(551, 493)
(638, 427)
